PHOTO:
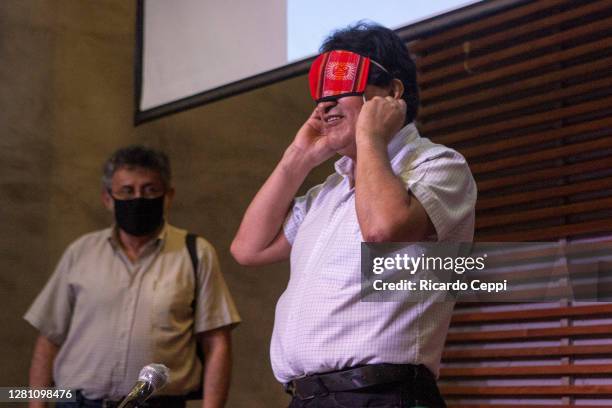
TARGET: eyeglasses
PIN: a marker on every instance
(129, 193)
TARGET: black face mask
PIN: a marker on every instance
(139, 216)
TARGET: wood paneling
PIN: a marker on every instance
(526, 96)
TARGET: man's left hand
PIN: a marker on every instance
(381, 118)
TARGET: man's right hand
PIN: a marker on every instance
(260, 240)
(310, 141)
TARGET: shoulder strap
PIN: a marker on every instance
(190, 242)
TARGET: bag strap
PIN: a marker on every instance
(190, 242)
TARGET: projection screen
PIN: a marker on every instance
(190, 52)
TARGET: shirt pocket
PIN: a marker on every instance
(340, 258)
(173, 295)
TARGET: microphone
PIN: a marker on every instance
(152, 377)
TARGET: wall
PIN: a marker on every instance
(67, 102)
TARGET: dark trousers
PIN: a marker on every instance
(98, 404)
(396, 395)
(159, 402)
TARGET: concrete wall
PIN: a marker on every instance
(66, 100)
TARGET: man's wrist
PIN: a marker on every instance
(371, 141)
(295, 162)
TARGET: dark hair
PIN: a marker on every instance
(385, 47)
(137, 156)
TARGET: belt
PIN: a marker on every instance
(319, 385)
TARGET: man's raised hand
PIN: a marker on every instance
(311, 142)
(381, 118)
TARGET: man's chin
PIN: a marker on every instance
(346, 150)
(340, 142)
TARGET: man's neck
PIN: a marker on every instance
(134, 245)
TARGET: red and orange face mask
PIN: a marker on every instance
(339, 73)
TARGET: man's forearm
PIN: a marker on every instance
(381, 199)
(265, 215)
(217, 371)
(386, 211)
(41, 367)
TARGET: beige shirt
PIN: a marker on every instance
(321, 324)
(112, 317)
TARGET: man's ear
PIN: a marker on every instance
(107, 200)
(397, 88)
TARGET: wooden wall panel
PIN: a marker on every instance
(526, 96)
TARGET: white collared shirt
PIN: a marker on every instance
(321, 325)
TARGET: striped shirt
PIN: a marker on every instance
(321, 325)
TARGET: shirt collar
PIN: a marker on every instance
(405, 136)
(344, 166)
(408, 134)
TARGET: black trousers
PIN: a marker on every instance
(98, 404)
(397, 395)
(159, 402)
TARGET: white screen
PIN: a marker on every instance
(193, 46)
(309, 22)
